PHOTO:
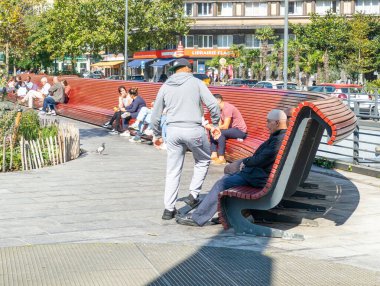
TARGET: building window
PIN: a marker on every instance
(204, 41)
(204, 9)
(322, 7)
(189, 9)
(189, 41)
(256, 9)
(367, 6)
(225, 41)
(295, 8)
(252, 42)
(225, 9)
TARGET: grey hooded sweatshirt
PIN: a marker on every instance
(182, 96)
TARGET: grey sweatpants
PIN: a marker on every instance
(178, 140)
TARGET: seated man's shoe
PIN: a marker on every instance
(125, 134)
(167, 215)
(186, 220)
(191, 201)
(215, 220)
(218, 162)
(107, 125)
(134, 126)
(148, 132)
(135, 139)
(114, 132)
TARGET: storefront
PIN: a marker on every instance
(108, 67)
(163, 59)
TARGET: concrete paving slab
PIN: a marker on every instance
(118, 198)
(167, 264)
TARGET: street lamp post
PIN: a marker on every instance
(286, 37)
(126, 41)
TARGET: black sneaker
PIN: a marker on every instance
(191, 201)
(186, 220)
(167, 215)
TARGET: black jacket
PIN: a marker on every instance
(257, 167)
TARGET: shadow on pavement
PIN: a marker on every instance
(226, 266)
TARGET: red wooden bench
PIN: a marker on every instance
(310, 119)
(92, 101)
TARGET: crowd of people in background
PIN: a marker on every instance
(27, 91)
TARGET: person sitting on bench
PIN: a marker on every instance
(231, 125)
(254, 171)
(40, 93)
(124, 100)
(56, 96)
(132, 110)
(143, 118)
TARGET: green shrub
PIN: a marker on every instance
(29, 128)
(324, 163)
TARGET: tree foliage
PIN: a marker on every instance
(73, 27)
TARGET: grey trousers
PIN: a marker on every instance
(209, 205)
(180, 139)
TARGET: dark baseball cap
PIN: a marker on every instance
(180, 63)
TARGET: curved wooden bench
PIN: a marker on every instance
(92, 101)
(296, 154)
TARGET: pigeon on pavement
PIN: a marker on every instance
(101, 148)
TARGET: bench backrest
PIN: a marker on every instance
(102, 93)
(254, 104)
(298, 150)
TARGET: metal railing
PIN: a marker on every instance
(360, 148)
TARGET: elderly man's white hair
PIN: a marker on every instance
(276, 114)
(44, 79)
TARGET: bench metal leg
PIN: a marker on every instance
(243, 227)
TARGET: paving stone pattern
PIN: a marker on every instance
(112, 203)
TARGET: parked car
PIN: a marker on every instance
(239, 82)
(321, 88)
(115, 77)
(275, 85)
(136, 77)
(96, 76)
(203, 77)
(343, 91)
(352, 93)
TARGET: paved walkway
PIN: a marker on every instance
(97, 221)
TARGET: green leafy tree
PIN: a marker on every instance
(244, 59)
(72, 27)
(13, 30)
(265, 35)
(363, 44)
(330, 35)
(297, 49)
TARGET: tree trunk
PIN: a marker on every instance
(326, 67)
(279, 66)
(73, 62)
(319, 72)
(6, 58)
(297, 67)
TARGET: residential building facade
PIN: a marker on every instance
(219, 24)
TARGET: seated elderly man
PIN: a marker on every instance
(41, 93)
(57, 96)
(254, 171)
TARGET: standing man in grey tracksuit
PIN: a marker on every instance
(182, 96)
